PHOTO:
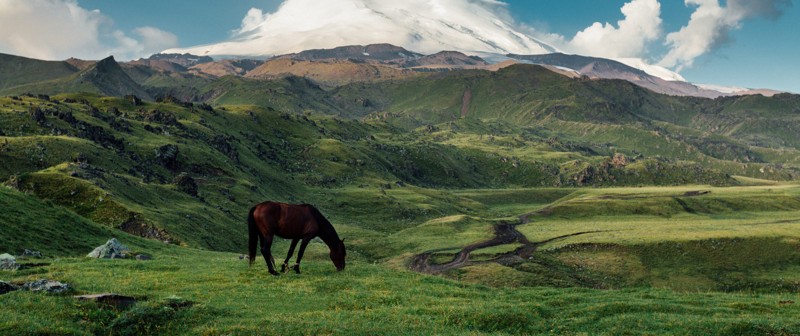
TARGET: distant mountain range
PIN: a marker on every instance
(327, 67)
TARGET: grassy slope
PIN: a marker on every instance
(610, 113)
(27, 222)
(240, 155)
(18, 71)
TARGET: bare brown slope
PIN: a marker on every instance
(333, 72)
(226, 67)
(158, 65)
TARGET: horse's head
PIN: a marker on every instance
(337, 255)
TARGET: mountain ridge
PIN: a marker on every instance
(338, 66)
(597, 67)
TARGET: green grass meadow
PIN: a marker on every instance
(185, 291)
(648, 272)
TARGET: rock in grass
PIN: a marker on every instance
(31, 254)
(112, 249)
(186, 184)
(48, 286)
(8, 262)
(6, 287)
(144, 257)
(111, 299)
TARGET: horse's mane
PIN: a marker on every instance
(325, 226)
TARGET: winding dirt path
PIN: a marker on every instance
(504, 233)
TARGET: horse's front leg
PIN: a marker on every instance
(266, 251)
(285, 266)
(303, 245)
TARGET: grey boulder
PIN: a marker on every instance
(112, 249)
(8, 262)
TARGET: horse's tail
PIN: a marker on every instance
(253, 232)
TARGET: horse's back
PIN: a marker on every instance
(286, 220)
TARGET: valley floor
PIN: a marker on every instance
(670, 260)
(194, 292)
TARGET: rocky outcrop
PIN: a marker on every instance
(138, 226)
(41, 285)
(112, 249)
(167, 155)
(47, 286)
(31, 254)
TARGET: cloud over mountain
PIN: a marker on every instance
(59, 29)
(419, 25)
(430, 26)
(710, 27)
(642, 24)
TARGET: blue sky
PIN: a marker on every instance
(759, 52)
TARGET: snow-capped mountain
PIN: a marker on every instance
(474, 27)
(419, 25)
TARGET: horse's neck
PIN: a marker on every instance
(328, 234)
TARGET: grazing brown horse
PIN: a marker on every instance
(291, 221)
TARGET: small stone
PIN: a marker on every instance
(48, 286)
(143, 257)
(8, 262)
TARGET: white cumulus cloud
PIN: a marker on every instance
(642, 25)
(710, 26)
(59, 29)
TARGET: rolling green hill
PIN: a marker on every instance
(104, 77)
(17, 71)
(541, 204)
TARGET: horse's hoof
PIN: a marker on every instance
(284, 268)
(296, 269)
(274, 273)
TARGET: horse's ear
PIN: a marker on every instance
(342, 240)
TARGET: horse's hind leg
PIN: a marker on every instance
(266, 251)
(303, 245)
(285, 266)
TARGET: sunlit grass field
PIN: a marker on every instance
(650, 271)
(185, 291)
